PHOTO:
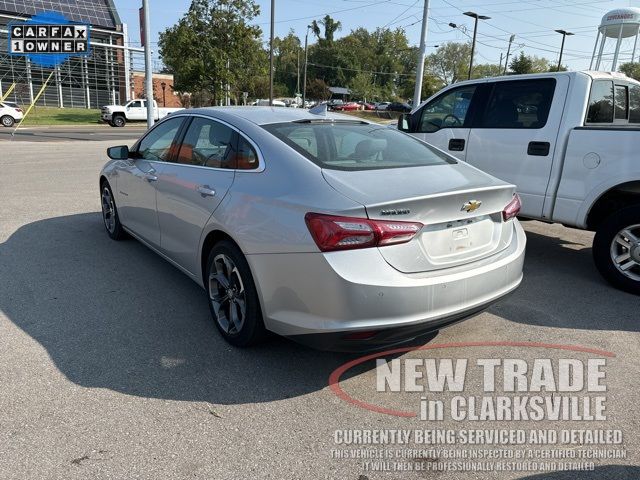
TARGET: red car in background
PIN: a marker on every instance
(347, 107)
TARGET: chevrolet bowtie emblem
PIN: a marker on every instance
(471, 206)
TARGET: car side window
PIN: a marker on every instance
(447, 111)
(136, 104)
(246, 157)
(622, 102)
(519, 104)
(601, 102)
(207, 144)
(634, 104)
(158, 143)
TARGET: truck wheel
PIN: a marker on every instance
(7, 121)
(119, 121)
(616, 249)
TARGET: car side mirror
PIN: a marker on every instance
(404, 122)
(118, 153)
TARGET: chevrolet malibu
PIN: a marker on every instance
(336, 232)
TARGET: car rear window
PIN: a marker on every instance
(356, 146)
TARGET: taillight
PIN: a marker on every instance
(19, 110)
(513, 209)
(344, 233)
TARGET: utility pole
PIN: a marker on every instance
(500, 61)
(273, 21)
(475, 32)
(148, 66)
(306, 58)
(506, 61)
(417, 93)
(564, 34)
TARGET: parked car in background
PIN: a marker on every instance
(568, 140)
(10, 114)
(347, 107)
(260, 206)
(382, 105)
(265, 103)
(134, 111)
(335, 104)
(399, 107)
(367, 105)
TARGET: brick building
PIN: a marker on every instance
(165, 99)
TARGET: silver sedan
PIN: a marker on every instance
(336, 232)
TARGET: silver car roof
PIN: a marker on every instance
(268, 115)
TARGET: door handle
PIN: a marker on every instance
(538, 149)
(150, 177)
(456, 144)
(206, 191)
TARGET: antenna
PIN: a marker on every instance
(319, 110)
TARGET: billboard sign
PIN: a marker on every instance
(49, 39)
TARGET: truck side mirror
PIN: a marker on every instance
(118, 153)
(404, 122)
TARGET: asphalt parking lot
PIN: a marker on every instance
(110, 366)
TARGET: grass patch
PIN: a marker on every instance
(42, 116)
(374, 116)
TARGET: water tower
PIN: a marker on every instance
(617, 39)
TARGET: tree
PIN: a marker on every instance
(521, 64)
(330, 28)
(631, 69)
(486, 70)
(288, 52)
(530, 64)
(362, 86)
(318, 90)
(211, 46)
(450, 62)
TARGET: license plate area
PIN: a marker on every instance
(458, 240)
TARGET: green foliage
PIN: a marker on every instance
(317, 89)
(631, 69)
(486, 70)
(213, 45)
(450, 63)
(530, 64)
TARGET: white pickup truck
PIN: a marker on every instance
(134, 111)
(570, 141)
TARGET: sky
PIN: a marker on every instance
(533, 22)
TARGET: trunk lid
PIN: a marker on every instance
(459, 206)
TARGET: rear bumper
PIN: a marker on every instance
(340, 293)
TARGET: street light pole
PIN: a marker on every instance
(148, 66)
(273, 21)
(306, 58)
(475, 32)
(164, 95)
(506, 62)
(564, 34)
(417, 92)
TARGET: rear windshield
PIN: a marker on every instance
(357, 146)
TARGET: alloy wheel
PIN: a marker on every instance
(625, 252)
(227, 294)
(108, 210)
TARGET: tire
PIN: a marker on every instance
(110, 214)
(616, 249)
(119, 121)
(232, 296)
(7, 121)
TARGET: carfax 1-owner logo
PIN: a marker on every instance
(49, 39)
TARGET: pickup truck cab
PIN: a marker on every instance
(134, 111)
(570, 141)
